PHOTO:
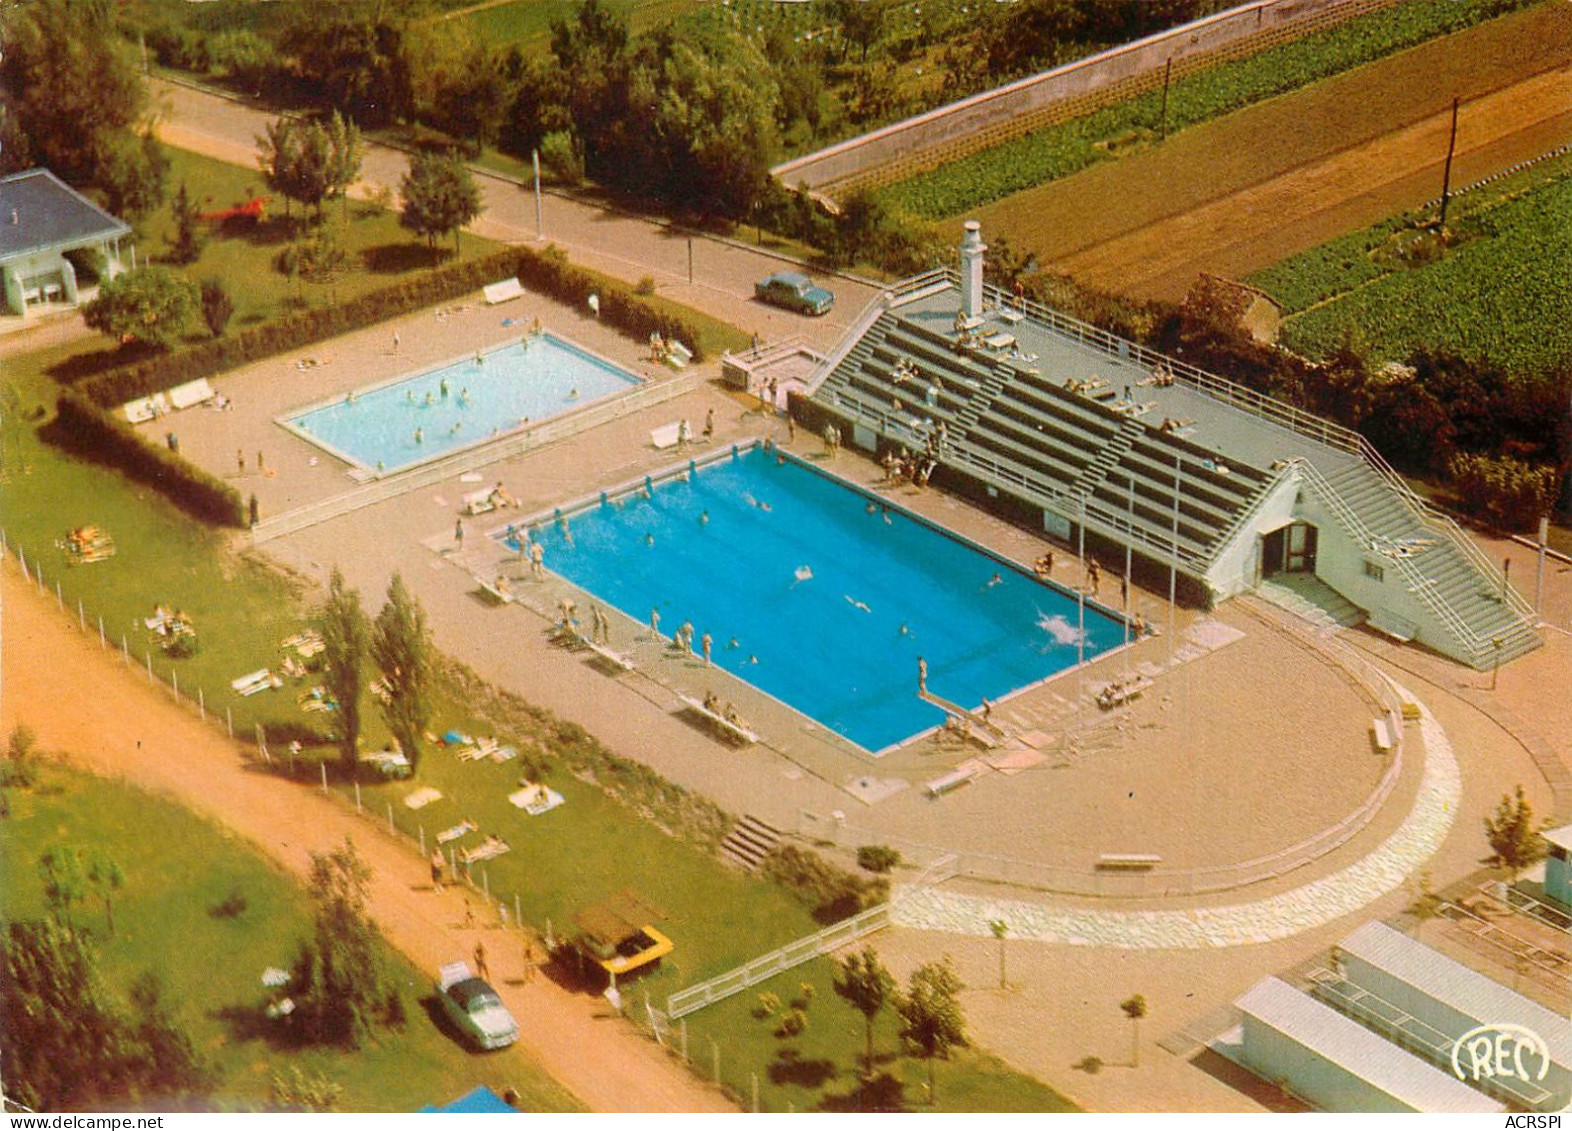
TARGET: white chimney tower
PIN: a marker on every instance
(972, 249)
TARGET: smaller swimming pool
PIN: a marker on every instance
(415, 419)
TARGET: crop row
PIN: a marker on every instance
(1332, 269)
(1500, 297)
(1061, 150)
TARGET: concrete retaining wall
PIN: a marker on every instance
(995, 116)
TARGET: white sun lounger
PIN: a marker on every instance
(504, 291)
(728, 727)
(139, 411)
(666, 435)
(677, 354)
(191, 393)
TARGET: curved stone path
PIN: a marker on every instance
(1275, 917)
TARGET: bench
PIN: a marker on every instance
(677, 355)
(1128, 861)
(1381, 732)
(666, 435)
(191, 393)
(736, 730)
(956, 778)
(616, 659)
(499, 594)
(502, 292)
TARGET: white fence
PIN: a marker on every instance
(734, 981)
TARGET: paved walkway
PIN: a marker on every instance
(1264, 920)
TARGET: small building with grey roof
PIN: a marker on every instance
(42, 220)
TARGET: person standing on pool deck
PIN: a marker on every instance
(537, 559)
(655, 622)
(1093, 575)
(705, 642)
(458, 533)
(922, 676)
(709, 425)
(395, 341)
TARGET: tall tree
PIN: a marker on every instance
(70, 1044)
(345, 153)
(932, 1021)
(346, 636)
(401, 646)
(64, 880)
(1513, 834)
(186, 245)
(217, 307)
(1134, 1008)
(440, 196)
(339, 987)
(105, 877)
(863, 981)
(132, 171)
(69, 85)
(151, 304)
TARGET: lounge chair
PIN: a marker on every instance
(666, 435)
(191, 393)
(504, 291)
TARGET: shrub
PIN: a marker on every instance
(793, 1023)
(20, 768)
(83, 427)
(769, 1004)
(832, 892)
(877, 858)
(546, 271)
(1505, 491)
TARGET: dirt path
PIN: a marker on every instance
(1288, 174)
(81, 700)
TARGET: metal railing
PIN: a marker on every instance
(734, 981)
(399, 483)
(1423, 587)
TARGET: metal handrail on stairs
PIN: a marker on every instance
(1362, 534)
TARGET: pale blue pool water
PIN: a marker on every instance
(831, 644)
(509, 387)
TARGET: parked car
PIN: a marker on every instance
(793, 291)
(475, 1008)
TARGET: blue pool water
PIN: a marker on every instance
(792, 566)
(524, 382)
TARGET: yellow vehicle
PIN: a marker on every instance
(616, 936)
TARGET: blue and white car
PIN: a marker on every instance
(474, 1007)
(791, 290)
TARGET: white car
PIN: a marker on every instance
(475, 1008)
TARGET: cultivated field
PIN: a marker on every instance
(1499, 293)
(1243, 192)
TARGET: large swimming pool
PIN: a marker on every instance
(430, 414)
(816, 594)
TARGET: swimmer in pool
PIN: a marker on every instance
(856, 604)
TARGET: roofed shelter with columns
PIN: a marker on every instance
(41, 220)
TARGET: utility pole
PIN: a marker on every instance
(540, 231)
(1162, 125)
(1446, 175)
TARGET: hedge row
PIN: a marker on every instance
(84, 426)
(546, 271)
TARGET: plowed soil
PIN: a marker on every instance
(1243, 192)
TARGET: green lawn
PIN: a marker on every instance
(528, 22)
(211, 963)
(246, 261)
(821, 1069)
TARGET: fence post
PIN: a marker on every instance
(22, 559)
(125, 651)
(81, 615)
(103, 641)
(202, 704)
(149, 658)
(518, 915)
(422, 830)
(323, 767)
(174, 684)
(390, 818)
(229, 722)
(59, 600)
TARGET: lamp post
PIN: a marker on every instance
(1495, 670)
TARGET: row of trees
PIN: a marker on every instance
(932, 1022)
(399, 643)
